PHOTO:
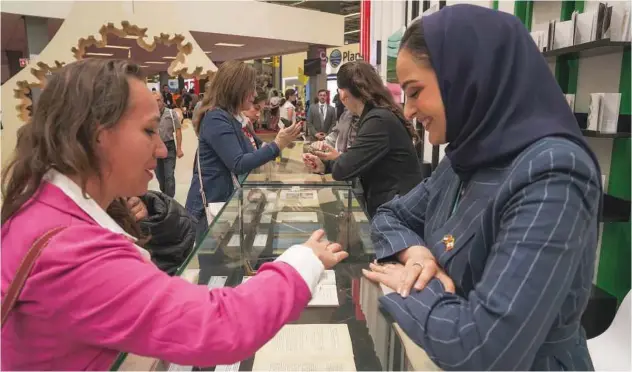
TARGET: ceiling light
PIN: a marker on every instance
(298, 3)
(230, 45)
(168, 57)
(155, 63)
(100, 54)
(352, 15)
(130, 37)
(117, 47)
(208, 52)
(144, 66)
(351, 32)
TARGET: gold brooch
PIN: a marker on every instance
(448, 240)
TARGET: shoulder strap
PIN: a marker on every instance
(16, 285)
(173, 122)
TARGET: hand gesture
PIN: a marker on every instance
(313, 163)
(420, 268)
(328, 253)
(320, 136)
(329, 152)
(180, 153)
(137, 208)
(287, 135)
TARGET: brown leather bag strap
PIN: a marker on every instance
(23, 272)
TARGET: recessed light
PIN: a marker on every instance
(143, 66)
(130, 37)
(351, 32)
(208, 52)
(117, 47)
(168, 57)
(230, 45)
(155, 63)
(352, 15)
(100, 54)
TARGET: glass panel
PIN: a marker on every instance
(289, 169)
(260, 223)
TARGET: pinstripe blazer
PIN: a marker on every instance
(525, 237)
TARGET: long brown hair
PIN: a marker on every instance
(363, 82)
(78, 100)
(233, 82)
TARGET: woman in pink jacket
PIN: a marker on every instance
(93, 292)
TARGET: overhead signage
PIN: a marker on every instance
(336, 58)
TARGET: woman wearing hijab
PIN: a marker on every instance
(382, 154)
(499, 243)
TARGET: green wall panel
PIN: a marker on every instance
(624, 82)
(523, 9)
(613, 274)
(495, 4)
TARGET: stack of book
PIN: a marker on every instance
(603, 112)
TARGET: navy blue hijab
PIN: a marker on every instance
(497, 89)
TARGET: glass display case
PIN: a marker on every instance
(288, 169)
(260, 223)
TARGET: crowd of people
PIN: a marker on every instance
(491, 257)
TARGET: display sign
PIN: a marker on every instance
(336, 57)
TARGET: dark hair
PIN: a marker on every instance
(289, 93)
(233, 82)
(322, 90)
(78, 100)
(414, 42)
(363, 82)
(192, 91)
(259, 98)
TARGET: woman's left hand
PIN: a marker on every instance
(400, 278)
(330, 154)
(390, 274)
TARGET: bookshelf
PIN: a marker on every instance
(593, 48)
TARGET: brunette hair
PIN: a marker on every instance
(208, 102)
(78, 100)
(233, 82)
(289, 93)
(363, 82)
(414, 42)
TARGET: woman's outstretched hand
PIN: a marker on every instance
(330, 254)
(313, 163)
(329, 152)
(287, 135)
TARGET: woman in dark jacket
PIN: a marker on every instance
(382, 154)
(224, 151)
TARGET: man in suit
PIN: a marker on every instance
(321, 117)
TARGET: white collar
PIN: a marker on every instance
(92, 209)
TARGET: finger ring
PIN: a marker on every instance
(421, 266)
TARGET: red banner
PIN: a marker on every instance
(365, 29)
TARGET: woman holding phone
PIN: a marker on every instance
(224, 150)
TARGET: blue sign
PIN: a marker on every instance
(335, 58)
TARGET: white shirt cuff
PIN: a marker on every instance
(303, 260)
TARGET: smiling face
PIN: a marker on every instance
(424, 102)
(129, 150)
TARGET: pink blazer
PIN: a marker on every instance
(92, 295)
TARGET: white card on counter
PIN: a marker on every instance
(266, 218)
(234, 241)
(326, 296)
(272, 196)
(217, 282)
(297, 217)
(328, 277)
(178, 368)
(245, 279)
(228, 368)
(343, 194)
(260, 240)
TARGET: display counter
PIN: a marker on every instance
(260, 223)
(289, 169)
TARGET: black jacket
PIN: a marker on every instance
(382, 155)
(171, 230)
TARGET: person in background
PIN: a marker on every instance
(167, 97)
(321, 117)
(93, 292)
(340, 108)
(224, 151)
(167, 228)
(499, 242)
(382, 154)
(287, 111)
(166, 167)
(253, 114)
(342, 135)
(203, 106)
(274, 103)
